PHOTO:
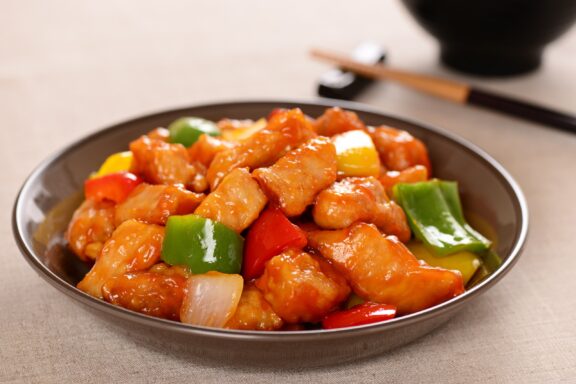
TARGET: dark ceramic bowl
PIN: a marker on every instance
(493, 37)
(51, 193)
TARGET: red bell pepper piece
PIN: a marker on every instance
(270, 234)
(114, 186)
(360, 314)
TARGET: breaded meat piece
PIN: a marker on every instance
(254, 313)
(336, 120)
(133, 247)
(295, 180)
(382, 269)
(285, 130)
(153, 204)
(151, 293)
(301, 287)
(91, 225)
(356, 199)
(159, 162)
(206, 147)
(414, 174)
(398, 149)
(236, 202)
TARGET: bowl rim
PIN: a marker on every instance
(270, 336)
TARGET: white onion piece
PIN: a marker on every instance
(211, 299)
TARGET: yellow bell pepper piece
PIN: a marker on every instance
(465, 262)
(244, 132)
(356, 154)
(117, 162)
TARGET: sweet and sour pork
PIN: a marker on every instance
(301, 287)
(398, 149)
(159, 162)
(354, 230)
(381, 269)
(236, 202)
(254, 312)
(295, 179)
(91, 225)
(285, 130)
(153, 204)
(134, 246)
(356, 199)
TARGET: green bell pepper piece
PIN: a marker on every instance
(187, 130)
(435, 215)
(202, 244)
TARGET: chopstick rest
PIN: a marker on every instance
(346, 85)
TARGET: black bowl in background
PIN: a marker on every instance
(493, 37)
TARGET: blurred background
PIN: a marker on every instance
(87, 64)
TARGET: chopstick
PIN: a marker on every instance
(454, 91)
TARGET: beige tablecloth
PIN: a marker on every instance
(69, 67)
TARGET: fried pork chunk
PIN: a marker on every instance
(153, 204)
(336, 120)
(414, 174)
(159, 133)
(301, 287)
(355, 199)
(236, 202)
(383, 270)
(91, 225)
(206, 147)
(285, 130)
(398, 149)
(296, 178)
(152, 293)
(159, 162)
(254, 313)
(133, 247)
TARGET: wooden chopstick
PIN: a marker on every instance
(455, 91)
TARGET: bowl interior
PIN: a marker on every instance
(53, 191)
